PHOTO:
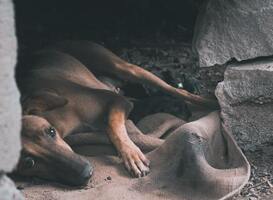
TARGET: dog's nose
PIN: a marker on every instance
(85, 175)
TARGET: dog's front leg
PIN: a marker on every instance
(134, 160)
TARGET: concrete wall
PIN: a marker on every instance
(10, 110)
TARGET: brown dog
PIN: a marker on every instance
(62, 96)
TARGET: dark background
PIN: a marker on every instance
(43, 21)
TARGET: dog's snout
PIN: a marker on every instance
(85, 175)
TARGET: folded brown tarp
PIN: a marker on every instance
(199, 160)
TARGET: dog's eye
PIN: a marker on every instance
(28, 162)
(51, 132)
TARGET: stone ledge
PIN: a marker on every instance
(8, 190)
(240, 29)
(10, 109)
(246, 100)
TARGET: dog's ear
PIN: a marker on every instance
(42, 101)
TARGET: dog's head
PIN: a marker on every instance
(45, 154)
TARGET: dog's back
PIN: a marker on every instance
(47, 68)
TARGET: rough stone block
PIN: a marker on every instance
(246, 100)
(240, 29)
(8, 190)
(10, 110)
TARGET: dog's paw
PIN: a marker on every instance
(134, 160)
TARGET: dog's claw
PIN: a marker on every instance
(135, 161)
(145, 172)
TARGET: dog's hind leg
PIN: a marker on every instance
(137, 74)
(99, 59)
(145, 142)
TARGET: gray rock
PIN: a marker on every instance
(8, 190)
(246, 100)
(10, 110)
(240, 29)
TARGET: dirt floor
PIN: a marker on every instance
(260, 185)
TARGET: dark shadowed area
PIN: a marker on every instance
(104, 20)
